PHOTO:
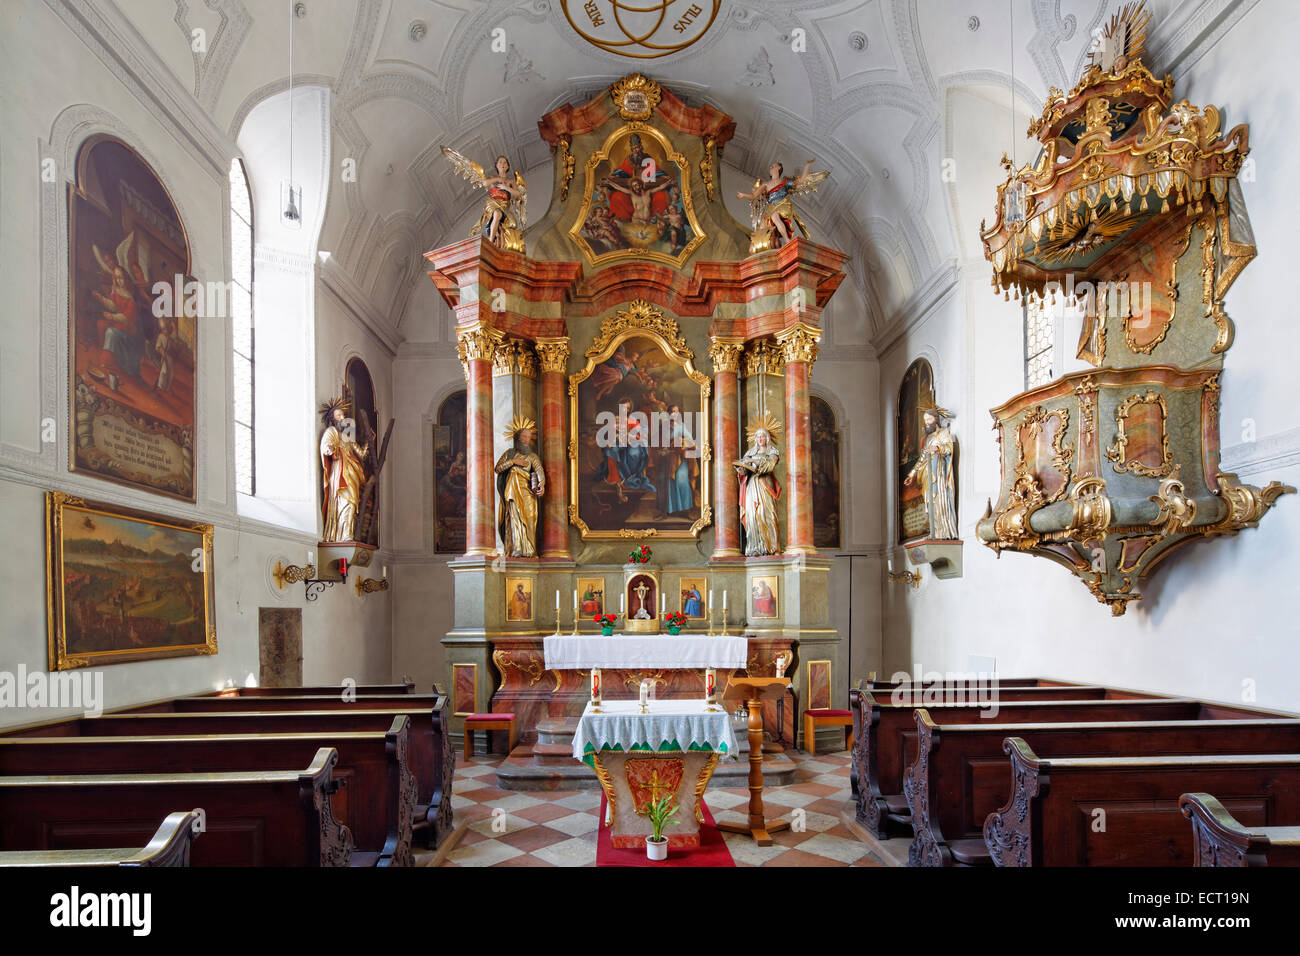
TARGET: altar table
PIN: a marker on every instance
(638, 757)
(669, 652)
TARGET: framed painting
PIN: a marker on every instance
(694, 597)
(915, 395)
(133, 313)
(637, 201)
(763, 592)
(464, 689)
(449, 471)
(519, 599)
(817, 684)
(825, 475)
(125, 585)
(591, 596)
(638, 417)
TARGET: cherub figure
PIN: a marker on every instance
(505, 213)
(772, 213)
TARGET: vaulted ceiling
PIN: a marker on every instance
(883, 94)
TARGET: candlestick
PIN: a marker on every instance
(575, 613)
(724, 613)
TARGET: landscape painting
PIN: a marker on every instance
(125, 586)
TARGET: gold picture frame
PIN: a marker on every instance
(120, 585)
(699, 584)
(597, 604)
(520, 610)
(595, 172)
(464, 680)
(642, 321)
(817, 692)
(765, 597)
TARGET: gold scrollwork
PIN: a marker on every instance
(725, 354)
(1246, 503)
(533, 669)
(567, 163)
(1062, 454)
(706, 167)
(1117, 453)
(701, 784)
(1092, 510)
(1177, 511)
(657, 679)
(645, 95)
(798, 343)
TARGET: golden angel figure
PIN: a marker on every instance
(521, 482)
(935, 472)
(505, 213)
(772, 214)
(342, 461)
(759, 491)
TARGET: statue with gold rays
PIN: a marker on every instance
(343, 469)
(521, 482)
(505, 212)
(772, 214)
(759, 488)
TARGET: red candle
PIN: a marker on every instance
(595, 684)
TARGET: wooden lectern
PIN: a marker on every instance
(753, 691)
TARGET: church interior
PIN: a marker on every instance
(629, 433)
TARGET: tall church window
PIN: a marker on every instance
(1040, 344)
(241, 312)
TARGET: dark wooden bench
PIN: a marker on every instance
(377, 794)
(888, 744)
(959, 774)
(1123, 811)
(334, 690)
(249, 817)
(170, 846)
(1221, 840)
(430, 755)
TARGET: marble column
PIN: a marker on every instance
(725, 354)
(476, 344)
(553, 356)
(799, 345)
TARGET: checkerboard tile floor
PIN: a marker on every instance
(558, 828)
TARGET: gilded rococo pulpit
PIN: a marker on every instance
(653, 367)
(1134, 210)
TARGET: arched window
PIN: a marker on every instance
(449, 497)
(1040, 344)
(915, 395)
(241, 313)
(825, 475)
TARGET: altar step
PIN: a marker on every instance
(549, 764)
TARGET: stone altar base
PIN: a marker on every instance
(627, 779)
(549, 765)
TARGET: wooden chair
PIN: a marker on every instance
(817, 684)
(489, 722)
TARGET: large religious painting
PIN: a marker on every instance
(639, 420)
(133, 325)
(125, 585)
(915, 396)
(825, 475)
(449, 487)
(638, 201)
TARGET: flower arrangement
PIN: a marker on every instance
(640, 555)
(606, 622)
(676, 621)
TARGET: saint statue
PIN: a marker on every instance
(759, 491)
(521, 482)
(772, 214)
(505, 212)
(935, 471)
(343, 463)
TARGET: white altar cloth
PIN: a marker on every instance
(620, 724)
(682, 652)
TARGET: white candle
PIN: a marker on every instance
(724, 606)
(663, 604)
(710, 600)
(621, 609)
(557, 604)
(385, 572)
(310, 559)
(595, 684)
(575, 599)
(645, 693)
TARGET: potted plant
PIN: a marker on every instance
(639, 555)
(661, 813)
(606, 622)
(676, 621)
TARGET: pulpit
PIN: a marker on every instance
(670, 747)
(753, 691)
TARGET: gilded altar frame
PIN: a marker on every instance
(688, 205)
(641, 319)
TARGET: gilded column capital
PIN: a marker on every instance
(799, 343)
(477, 343)
(725, 353)
(553, 354)
(514, 357)
(763, 356)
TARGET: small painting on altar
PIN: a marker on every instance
(519, 599)
(591, 596)
(763, 598)
(694, 593)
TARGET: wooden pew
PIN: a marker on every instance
(170, 846)
(959, 776)
(333, 690)
(887, 746)
(377, 794)
(1052, 815)
(405, 703)
(1221, 840)
(250, 818)
(431, 757)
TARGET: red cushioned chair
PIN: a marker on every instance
(489, 722)
(817, 684)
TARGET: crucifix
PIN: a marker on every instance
(655, 787)
(641, 590)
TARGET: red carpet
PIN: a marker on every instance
(712, 850)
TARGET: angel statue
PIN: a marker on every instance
(772, 214)
(505, 213)
(759, 491)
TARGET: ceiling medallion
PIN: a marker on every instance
(858, 40)
(642, 29)
(417, 30)
(973, 23)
